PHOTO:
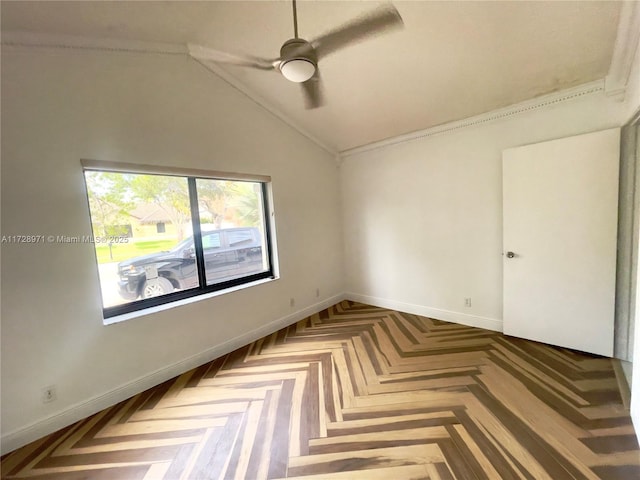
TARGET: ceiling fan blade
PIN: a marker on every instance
(383, 18)
(312, 90)
(209, 54)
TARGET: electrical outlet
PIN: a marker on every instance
(467, 302)
(49, 394)
(317, 292)
(292, 302)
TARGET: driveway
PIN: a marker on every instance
(109, 284)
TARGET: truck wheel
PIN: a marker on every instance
(156, 287)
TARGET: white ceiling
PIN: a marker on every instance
(451, 61)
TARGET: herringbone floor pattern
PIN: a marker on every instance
(358, 392)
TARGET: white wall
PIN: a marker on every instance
(423, 219)
(635, 367)
(635, 330)
(59, 107)
(632, 101)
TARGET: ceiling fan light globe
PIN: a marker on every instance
(298, 70)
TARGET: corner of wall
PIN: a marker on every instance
(424, 311)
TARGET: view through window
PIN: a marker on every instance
(160, 238)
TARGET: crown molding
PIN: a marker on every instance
(510, 111)
(624, 50)
(30, 40)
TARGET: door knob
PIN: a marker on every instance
(510, 254)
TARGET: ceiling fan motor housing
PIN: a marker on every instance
(299, 60)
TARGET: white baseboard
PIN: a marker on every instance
(17, 438)
(436, 313)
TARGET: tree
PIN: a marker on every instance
(237, 201)
(213, 197)
(247, 202)
(108, 204)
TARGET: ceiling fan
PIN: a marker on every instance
(298, 60)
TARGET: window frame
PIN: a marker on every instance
(191, 176)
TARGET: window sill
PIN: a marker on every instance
(178, 303)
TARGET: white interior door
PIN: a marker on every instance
(560, 222)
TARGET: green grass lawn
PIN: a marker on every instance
(123, 251)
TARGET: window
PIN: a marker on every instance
(239, 237)
(211, 241)
(189, 233)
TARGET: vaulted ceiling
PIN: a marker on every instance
(452, 60)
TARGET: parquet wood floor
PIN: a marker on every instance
(358, 392)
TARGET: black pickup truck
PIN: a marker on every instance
(228, 253)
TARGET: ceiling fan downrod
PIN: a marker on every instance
(298, 59)
(295, 20)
